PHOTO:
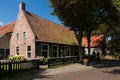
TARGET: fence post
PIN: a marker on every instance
(10, 67)
(35, 64)
(0, 69)
(63, 60)
(48, 63)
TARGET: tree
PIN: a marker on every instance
(69, 12)
(84, 16)
(110, 27)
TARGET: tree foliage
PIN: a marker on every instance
(84, 16)
(112, 32)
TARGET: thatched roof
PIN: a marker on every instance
(47, 31)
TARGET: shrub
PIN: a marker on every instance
(44, 61)
(16, 58)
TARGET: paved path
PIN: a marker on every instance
(67, 69)
(91, 74)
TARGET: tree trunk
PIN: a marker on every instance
(88, 41)
(79, 38)
(104, 46)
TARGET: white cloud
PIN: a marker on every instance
(1, 23)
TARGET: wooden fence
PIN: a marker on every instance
(62, 61)
(7, 67)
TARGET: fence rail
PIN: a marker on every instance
(7, 67)
(62, 61)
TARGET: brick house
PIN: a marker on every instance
(95, 44)
(5, 35)
(34, 36)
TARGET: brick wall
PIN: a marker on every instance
(21, 26)
(5, 41)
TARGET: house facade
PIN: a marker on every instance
(34, 36)
(5, 35)
(95, 44)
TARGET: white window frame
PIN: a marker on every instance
(64, 51)
(57, 49)
(73, 51)
(47, 50)
(28, 51)
(17, 36)
(68, 49)
(24, 35)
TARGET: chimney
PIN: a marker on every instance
(22, 6)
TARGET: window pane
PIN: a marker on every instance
(55, 48)
(28, 48)
(44, 50)
(17, 50)
(24, 35)
(17, 36)
(63, 48)
(44, 54)
(54, 54)
(44, 47)
(29, 51)
(54, 51)
(29, 54)
(68, 51)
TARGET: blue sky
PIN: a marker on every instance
(9, 10)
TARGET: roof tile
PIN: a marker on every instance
(7, 28)
(95, 41)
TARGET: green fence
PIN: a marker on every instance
(62, 61)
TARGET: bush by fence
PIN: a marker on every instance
(8, 67)
(62, 61)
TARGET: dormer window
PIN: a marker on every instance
(24, 35)
(17, 36)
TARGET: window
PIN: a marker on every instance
(17, 50)
(68, 51)
(17, 36)
(44, 50)
(29, 51)
(24, 35)
(62, 51)
(76, 51)
(55, 50)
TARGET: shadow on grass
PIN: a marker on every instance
(105, 63)
(28, 75)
